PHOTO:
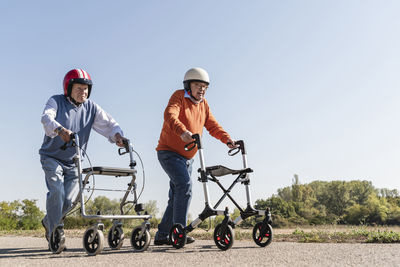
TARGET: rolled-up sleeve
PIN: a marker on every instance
(48, 118)
(105, 125)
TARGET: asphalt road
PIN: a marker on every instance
(32, 251)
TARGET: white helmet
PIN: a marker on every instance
(195, 74)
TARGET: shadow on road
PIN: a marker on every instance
(35, 253)
(195, 249)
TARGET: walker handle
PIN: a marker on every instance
(126, 147)
(193, 144)
(65, 145)
(240, 147)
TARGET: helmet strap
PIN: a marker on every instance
(194, 98)
(189, 91)
(73, 101)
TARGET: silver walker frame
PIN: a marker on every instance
(262, 232)
(93, 238)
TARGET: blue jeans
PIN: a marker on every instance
(63, 185)
(179, 169)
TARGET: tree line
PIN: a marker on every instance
(316, 203)
(334, 202)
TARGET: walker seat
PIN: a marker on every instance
(219, 170)
(111, 171)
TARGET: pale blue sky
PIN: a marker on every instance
(311, 86)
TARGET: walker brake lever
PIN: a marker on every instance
(190, 145)
(121, 153)
(233, 151)
(65, 145)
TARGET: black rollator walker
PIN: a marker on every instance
(223, 233)
(93, 239)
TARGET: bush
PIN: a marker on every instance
(31, 216)
(8, 215)
(20, 216)
(279, 221)
(383, 237)
(356, 214)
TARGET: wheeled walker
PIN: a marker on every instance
(224, 233)
(93, 239)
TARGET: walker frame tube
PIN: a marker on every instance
(208, 211)
(77, 160)
(242, 177)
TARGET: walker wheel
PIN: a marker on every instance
(262, 237)
(57, 240)
(140, 243)
(115, 237)
(224, 239)
(177, 236)
(93, 241)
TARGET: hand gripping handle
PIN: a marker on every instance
(126, 143)
(193, 144)
(65, 145)
(240, 147)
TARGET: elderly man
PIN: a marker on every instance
(64, 114)
(186, 113)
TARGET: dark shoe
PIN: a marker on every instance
(57, 242)
(65, 248)
(189, 240)
(46, 230)
(160, 242)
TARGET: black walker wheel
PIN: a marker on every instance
(262, 234)
(177, 236)
(93, 241)
(57, 240)
(224, 239)
(140, 243)
(115, 237)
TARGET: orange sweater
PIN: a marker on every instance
(182, 115)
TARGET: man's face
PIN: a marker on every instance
(80, 92)
(198, 89)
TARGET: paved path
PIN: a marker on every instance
(31, 251)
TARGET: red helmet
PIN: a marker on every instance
(76, 76)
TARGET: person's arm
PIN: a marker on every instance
(52, 128)
(217, 131)
(171, 118)
(50, 125)
(105, 125)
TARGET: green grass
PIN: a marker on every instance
(327, 237)
(355, 235)
(383, 237)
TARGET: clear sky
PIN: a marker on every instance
(311, 86)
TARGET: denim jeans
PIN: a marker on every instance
(63, 185)
(179, 169)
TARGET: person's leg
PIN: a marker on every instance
(183, 197)
(55, 197)
(71, 187)
(177, 168)
(166, 222)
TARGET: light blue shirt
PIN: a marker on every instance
(60, 111)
